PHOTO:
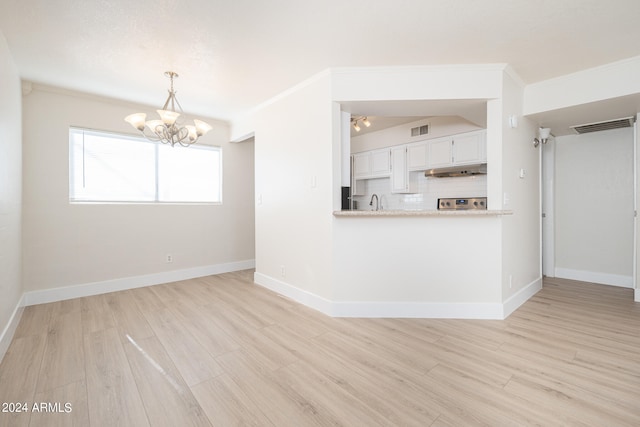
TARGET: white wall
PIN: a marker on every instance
(295, 184)
(10, 195)
(594, 207)
(466, 81)
(400, 263)
(387, 266)
(613, 80)
(521, 232)
(73, 244)
(417, 259)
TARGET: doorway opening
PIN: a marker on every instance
(588, 205)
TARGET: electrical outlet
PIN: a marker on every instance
(282, 271)
(168, 258)
(510, 281)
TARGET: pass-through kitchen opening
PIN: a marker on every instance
(433, 163)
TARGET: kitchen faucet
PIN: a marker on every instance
(371, 202)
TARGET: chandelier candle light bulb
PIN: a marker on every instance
(169, 129)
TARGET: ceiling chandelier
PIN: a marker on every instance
(169, 129)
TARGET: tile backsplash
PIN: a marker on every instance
(429, 190)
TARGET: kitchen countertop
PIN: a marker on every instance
(400, 213)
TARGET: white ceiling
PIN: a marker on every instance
(232, 55)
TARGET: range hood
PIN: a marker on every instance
(454, 171)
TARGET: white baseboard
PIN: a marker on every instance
(298, 295)
(419, 310)
(10, 329)
(636, 296)
(520, 297)
(96, 288)
(375, 309)
(595, 277)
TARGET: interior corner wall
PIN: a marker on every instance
(295, 186)
(521, 232)
(10, 191)
(68, 244)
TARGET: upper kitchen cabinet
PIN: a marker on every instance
(417, 155)
(440, 152)
(372, 164)
(462, 149)
(361, 164)
(402, 181)
(470, 148)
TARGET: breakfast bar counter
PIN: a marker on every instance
(427, 213)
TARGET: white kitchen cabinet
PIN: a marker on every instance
(404, 163)
(381, 162)
(361, 164)
(464, 149)
(469, 148)
(401, 179)
(440, 152)
(357, 185)
(417, 155)
(372, 164)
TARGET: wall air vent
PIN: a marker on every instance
(420, 130)
(608, 125)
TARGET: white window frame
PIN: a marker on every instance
(136, 139)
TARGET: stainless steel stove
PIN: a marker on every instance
(473, 203)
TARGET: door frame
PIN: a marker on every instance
(636, 188)
(547, 207)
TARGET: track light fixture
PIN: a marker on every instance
(543, 136)
(356, 120)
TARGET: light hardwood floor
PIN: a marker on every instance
(222, 351)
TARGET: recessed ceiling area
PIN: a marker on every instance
(382, 122)
(385, 114)
(561, 120)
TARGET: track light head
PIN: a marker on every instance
(543, 136)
